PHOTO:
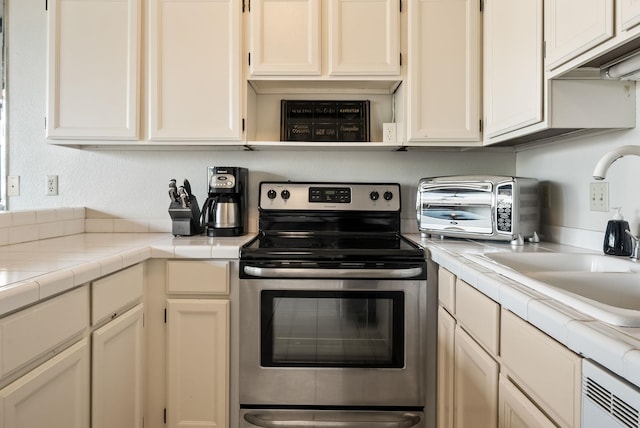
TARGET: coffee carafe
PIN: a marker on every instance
(223, 213)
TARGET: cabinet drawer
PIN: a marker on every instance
(30, 333)
(447, 289)
(198, 277)
(114, 292)
(479, 315)
(543, 368)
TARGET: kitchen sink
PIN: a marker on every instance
(578, 262)
(606, 288)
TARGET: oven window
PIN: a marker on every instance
(332, 328)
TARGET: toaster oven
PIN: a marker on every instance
(478, 207)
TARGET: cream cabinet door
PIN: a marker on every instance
(363, 37)
(573, 27)
(446, 329)
(515, 410)
(197, 363)
(546, 370)
(475, 385)
(285, 37)
(513, 65)
(627, 14)
(93, 69)
(55, 394)
(117, 372)
(194, 70)
(445, 69)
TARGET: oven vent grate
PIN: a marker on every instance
(626, 414)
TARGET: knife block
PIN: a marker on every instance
(185, 221)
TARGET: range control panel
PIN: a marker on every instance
(329, 196)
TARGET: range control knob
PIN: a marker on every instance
(387, 196)
(285, 194)
(374, 195)
(271, 194)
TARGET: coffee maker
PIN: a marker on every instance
(224, 211)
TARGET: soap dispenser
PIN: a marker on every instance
(616, 241)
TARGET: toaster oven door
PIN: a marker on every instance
(476, 219)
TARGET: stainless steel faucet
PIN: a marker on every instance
(635, 253)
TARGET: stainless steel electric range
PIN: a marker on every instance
(338, 322)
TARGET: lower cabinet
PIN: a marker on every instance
(59, 370)
(497, 370)
(476, 384)
(467, 378)
(53, 395)
(197, 336)
(515, 410)
(546, 371)
(197, 363)
(467, 362)
(446, 340)
(117, 372)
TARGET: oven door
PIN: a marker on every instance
(332, 342)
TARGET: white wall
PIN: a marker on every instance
(567, 167)
(133, 184)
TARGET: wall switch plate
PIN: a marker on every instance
(13, 185)
(51, 184)
(389, 132)
(599, 196)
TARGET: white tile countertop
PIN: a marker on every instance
(617, 348)
(35, 270)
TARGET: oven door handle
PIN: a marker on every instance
(332, 273)
(365, 419)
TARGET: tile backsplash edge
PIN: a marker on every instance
(24, 226)
(31, 225)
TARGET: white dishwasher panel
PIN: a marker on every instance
(607, 400)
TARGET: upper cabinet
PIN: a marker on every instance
(324, 38)
(589, 33)
(521, 103)
(194, 70)
(627, 15)
(322, 50)
(513, 65)
(93, 69)
(363, 37)
(444, 72)
(575, 26)
(285, 38)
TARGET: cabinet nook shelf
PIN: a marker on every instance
(264, 98)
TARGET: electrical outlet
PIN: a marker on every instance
(13, 185)
(389, 132)
(599, 196)
(51, 183)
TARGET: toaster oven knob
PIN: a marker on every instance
(285, 194)
(271, 194)
(387, 196)
(374, 195)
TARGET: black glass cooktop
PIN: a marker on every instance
(334, 245)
